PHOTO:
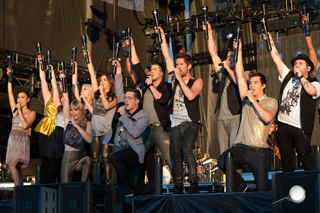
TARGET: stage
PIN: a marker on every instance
(213, 202)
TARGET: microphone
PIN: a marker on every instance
(116, 53)
(156, 22)
(15, 109)
(62, 66)
(263, 22)
(39, 48)
(145, 85)
(49, 55)
(74, 51)
(124, 38)
(237, 37)
(205, 18)
(84, 44)
(129, 35)
(306, 24)
(246, 98)
(9, 59)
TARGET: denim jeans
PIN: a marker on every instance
(182, 140)
(227, 132)
(255, 158)
(162, 140)
(289, 137)
(124, 161)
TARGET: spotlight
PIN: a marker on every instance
(231, 26)
(297, 194)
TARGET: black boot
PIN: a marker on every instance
(178, 189)
(194, 189)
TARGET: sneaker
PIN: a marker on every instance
(241, 187)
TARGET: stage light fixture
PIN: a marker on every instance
(231, 26)
(297, 194)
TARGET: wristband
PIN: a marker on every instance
(301, 76)
(150, 85)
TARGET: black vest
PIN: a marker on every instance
(233, 96)
(192, 106)
(307, 105)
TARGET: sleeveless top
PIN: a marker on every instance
(17, 125)
(101, 118)
(73, 138)
(47, 124)
(60, 120)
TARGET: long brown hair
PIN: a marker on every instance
(112, 92)
(82, 118)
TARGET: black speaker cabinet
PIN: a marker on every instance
(80, 197)
(309, 180)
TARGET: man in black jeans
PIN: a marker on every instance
(128, 140)
(250, 146)
(184, 105)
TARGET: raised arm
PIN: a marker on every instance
(118, 82)
(56, 97)
(212, 48)
(10, 93)
(93, 77)
(242, 83)
(44, 86)
(275, 55)
(75, 88)
(311, 51)
(166, 51)
(66, 113)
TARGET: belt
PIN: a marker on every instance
(184, 123)
(155, 124)
(49, 116)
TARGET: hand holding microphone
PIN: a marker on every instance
(18, 106)
(122, 110)
(248, 93)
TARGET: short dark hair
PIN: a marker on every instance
(136, 92)
(187, 58)
(160, 65)
(263, 78)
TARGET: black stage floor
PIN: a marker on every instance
(213, 202)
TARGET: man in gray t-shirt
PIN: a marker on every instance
(258, 111)
(228, 100)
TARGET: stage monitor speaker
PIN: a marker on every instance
(309, 180)
(88, 197)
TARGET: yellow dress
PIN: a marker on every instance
(47, 124)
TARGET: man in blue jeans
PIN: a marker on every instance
(258, 110)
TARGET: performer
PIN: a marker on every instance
(18, 149)
(102, 110)
(228, 100)
(128, 138)
(156, 95)
(47, 124)
(86, 94)
(297, 105)
(53, 149)
(184, 105)
(250, 146)
(77, 131)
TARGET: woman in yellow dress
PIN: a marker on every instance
(47, 124)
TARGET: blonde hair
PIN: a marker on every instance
(82, 118)
(89, 87)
